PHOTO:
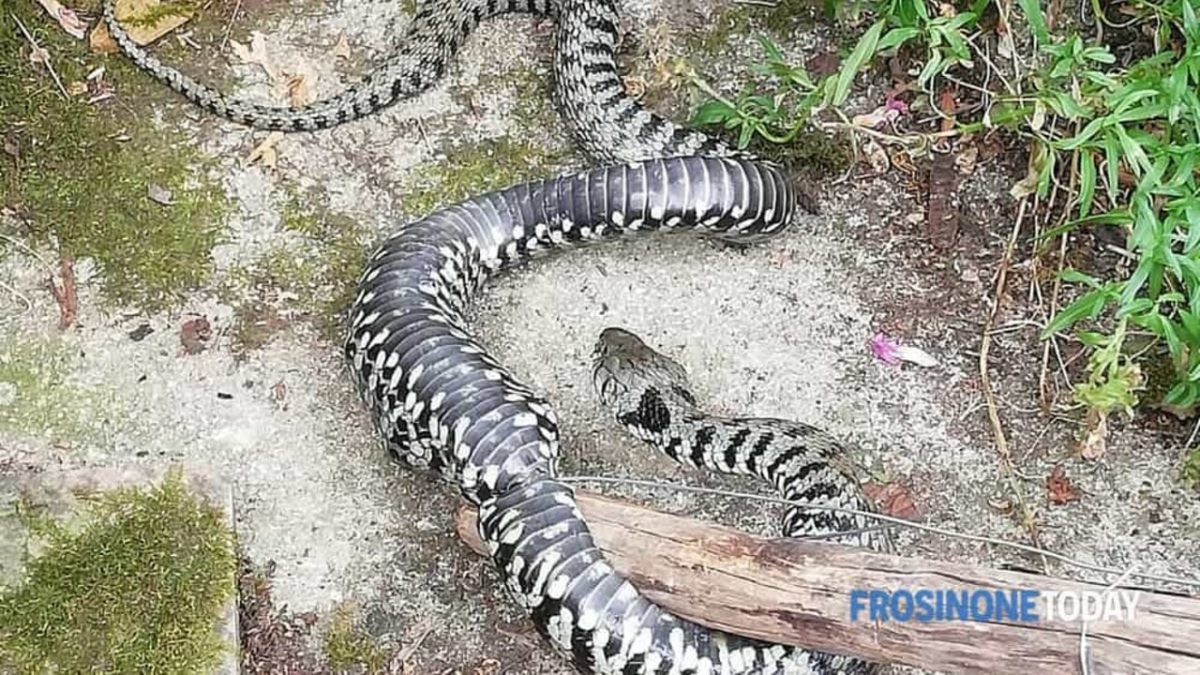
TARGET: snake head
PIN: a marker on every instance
(624, 368)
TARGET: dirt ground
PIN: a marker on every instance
(778, 330)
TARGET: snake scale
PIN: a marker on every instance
(443, 403)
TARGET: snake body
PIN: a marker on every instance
(649, 395)
(442, 402)
(608, 125)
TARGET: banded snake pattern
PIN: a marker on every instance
(443, 403)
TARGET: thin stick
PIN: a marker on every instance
(36, 47)
(229, 26)
(983, 539)
(985, 383)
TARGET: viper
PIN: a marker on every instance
(442, 402)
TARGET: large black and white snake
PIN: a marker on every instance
(442, 402)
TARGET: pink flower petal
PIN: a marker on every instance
(885, 349)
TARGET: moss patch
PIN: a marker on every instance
(810, 150)
(36, 396)
(350, 649)
(313, 275)
(532, 110)
(138, 588)
(1189, 471)
(85, 172)
(780, 20)
(472, 169)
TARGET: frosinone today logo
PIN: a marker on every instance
(991, 604)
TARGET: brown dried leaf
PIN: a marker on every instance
(635, 86)
(299, 89)
(65, 17)
(77, 87)
(194, 335)
(265, 151)
(342, 48)
(823, 64)
(1059, 487)
(100, 40)
(256, 54)
(168, 19)
(877, 157)
(1095, 438)
(893, 499)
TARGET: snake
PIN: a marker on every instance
(649, 395)
(441, 402)
(607, 124)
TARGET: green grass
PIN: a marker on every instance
(85, 171)
(138, 588)
(1116, 143)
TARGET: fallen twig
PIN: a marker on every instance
(796, 592)
(985, 383)
(45, 55)
(66, 297)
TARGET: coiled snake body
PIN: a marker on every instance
(442, 402)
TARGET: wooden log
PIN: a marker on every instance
(798, 592)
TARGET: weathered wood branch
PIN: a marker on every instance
(799, 593)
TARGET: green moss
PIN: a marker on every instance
(86, 171)
(532, 110)
(1189, 471)
(153, 15)
(314, 274)
(350, 649)
(780, 20)
(786, 15)
(138, 588)
(811, 149)
(469, 170)
(36, 396)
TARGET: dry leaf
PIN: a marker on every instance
(893, 499)
(342, 48)
(966, 159)
(100, 40)
(256, 54)
(39, 55)
(265, 151)
(77, 87)
(635, 86)
(877, 157)
(143, 33)
(65, 17)
(195, 335)
(299, 90)
(1059, 488)
(1095, 438)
